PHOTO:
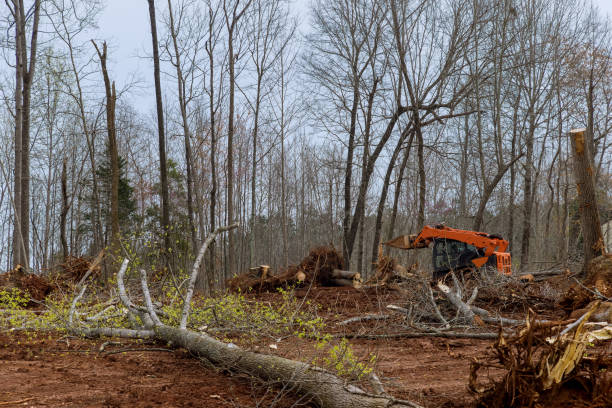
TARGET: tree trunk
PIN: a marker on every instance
(585, 186)
(18, 239)
(383, 194)
(327, 390)
(398, 190)
(64, 212)
(111, 100)
(165, 204)
(186, 132)
(348, 176)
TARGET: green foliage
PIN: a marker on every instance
(341, 358)
(13, 299)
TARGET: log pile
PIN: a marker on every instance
(322, 267)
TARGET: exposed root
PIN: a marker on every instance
(540, 369)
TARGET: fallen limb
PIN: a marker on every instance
(358, 319)
(196, 269)
(411, 335)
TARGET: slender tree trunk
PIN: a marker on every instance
(527, 190)
(18, 239)
(398, 189)
(385, 189)
(213, 149)
(186, 131)
(282, 169)
(422, 181)
(111, 100)
(230, 254)
(165, 204)
(64, 212)
(254, 170)
(348, 177)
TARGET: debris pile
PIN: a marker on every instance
(322, 266)
(76, 267)
(597, 285)
(546, 365)
(36, 286)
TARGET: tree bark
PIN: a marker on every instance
(585, 187)
(64, 212)
(326, 389)
(383, 194)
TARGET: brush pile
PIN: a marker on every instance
(546, 366)
(74, 268)
(597, 285)
(322, 267)
(36, 286)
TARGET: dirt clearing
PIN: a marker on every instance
(48, 370)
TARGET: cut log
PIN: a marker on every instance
(326, 389)
(345, 282)
(300, 276)
(340, 274)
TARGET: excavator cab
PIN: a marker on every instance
(451, 255)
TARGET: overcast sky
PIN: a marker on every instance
(125, 25)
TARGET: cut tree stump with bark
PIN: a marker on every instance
(585, 187)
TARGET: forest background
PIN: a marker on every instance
(343, 122)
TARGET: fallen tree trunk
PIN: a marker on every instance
(326, 389)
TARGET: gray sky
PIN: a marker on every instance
(125, 25)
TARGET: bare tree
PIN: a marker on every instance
(233, 11)
(24, 75)
(165, 204)
(111, 101)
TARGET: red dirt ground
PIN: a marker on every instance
(47, 371)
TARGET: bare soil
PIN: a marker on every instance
(48, 370)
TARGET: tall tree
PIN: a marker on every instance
(24, 76)
(165, 204)
(233, 11)
(111, 131)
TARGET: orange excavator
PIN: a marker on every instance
(456, 250)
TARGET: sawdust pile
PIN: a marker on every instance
(544, 369)
(598, 280)
(315, 268)
(36, 286)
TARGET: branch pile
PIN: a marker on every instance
(544, 366)
(597, 285)
(322, 267)
(75, 267)
(36, 286)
